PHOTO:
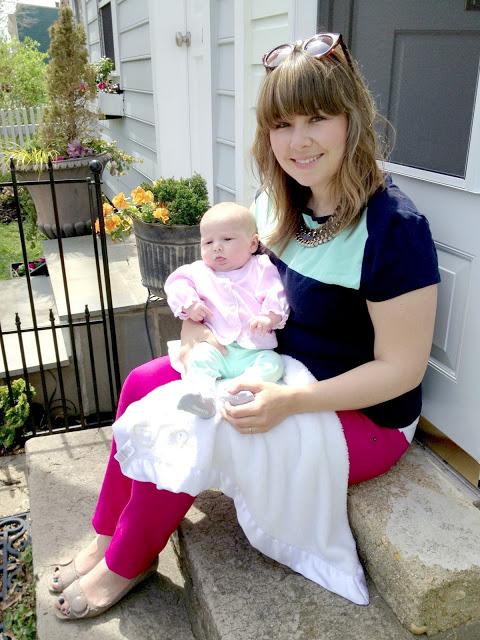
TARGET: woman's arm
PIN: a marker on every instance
(403, 336)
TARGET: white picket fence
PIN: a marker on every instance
(18, 125)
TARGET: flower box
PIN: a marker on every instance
(36, 267)
(111, 105)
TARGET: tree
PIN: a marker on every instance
(70, 85)
(22, 74)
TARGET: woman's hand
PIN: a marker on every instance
(192, 333)
(270, 406)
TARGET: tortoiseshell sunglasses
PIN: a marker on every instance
(318, 46)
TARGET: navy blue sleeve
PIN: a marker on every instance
(400, 255)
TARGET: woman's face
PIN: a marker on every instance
(310, 148)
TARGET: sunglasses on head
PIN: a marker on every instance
(318, 46)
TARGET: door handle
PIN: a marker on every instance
(183, 38)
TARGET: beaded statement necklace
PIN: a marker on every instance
(319, 235)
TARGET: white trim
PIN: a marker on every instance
(302, 19)
(169, 69)
(430, 176)
(472, 177)
(241, 100)
(471, 182)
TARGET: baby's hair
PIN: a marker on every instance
(226, 209)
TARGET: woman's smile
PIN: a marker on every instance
(306, 162)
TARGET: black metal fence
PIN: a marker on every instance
(60, 411)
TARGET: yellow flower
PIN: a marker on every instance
(112, 222)
(97, 226)
(161, 214)
(138, 195)
(119, 201)
(107, 208)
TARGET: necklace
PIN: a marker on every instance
(320, 235)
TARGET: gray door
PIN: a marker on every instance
(421, 61)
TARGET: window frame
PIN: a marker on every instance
(471, 182)
(113, 9)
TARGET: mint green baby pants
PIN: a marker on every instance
(257, 364)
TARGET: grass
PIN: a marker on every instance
(19, 616)
(11, 248)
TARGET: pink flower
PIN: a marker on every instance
(101, 85)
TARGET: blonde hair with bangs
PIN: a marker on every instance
(303, 85)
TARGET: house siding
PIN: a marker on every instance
(241, 31)
(135, 132)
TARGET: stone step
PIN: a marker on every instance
(417, 532)
(64, 475)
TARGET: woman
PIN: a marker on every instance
(360, 271)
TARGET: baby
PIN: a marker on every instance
(240, 297)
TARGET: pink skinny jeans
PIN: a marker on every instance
(141, 518)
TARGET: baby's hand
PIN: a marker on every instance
(198, 312)
(260, 325)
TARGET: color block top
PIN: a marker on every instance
(388, 253)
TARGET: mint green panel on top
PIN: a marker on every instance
(338, 261)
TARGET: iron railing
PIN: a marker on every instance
(55, 416)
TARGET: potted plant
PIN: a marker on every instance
(67, 134)
(109, 96)
(14, 412)
(165, 218)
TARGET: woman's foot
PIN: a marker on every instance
(96, 592)
(84, 561)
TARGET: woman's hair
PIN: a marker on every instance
(303, 85)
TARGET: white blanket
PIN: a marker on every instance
(289, 485)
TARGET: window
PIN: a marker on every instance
(106, 31)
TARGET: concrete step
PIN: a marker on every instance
(64, 475)
(417, 531)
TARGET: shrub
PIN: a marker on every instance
(22, 74)
(185, 198)
(70, 85)
(13, 415)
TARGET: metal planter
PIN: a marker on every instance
(162, 249)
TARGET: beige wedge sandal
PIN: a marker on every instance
(81, 608)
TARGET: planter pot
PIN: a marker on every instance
(73, 201)
(161, 249)
(111, 105)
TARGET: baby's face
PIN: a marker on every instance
(226, 243)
